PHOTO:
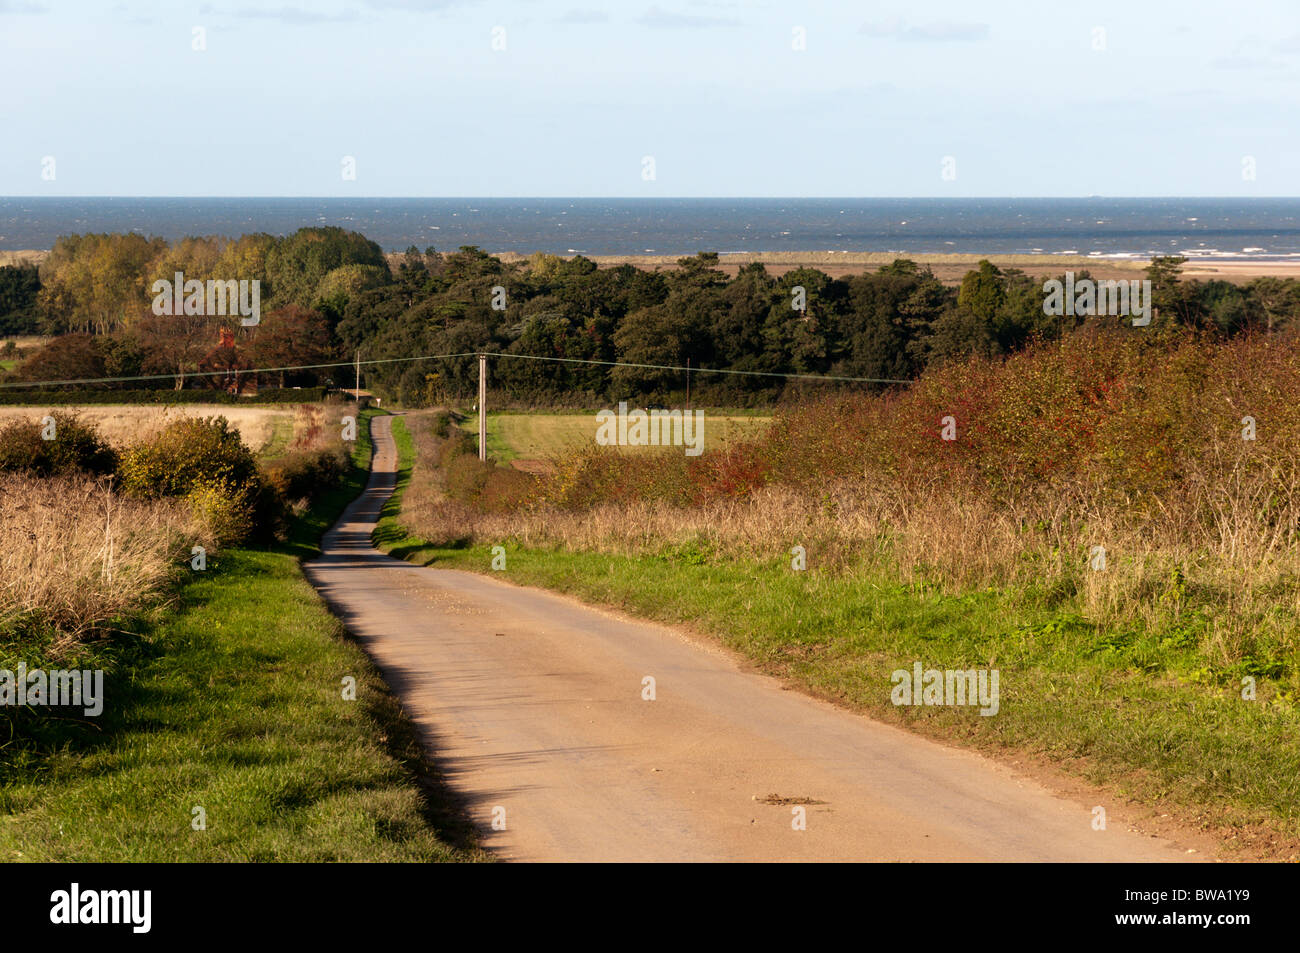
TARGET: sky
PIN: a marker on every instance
(649, 98)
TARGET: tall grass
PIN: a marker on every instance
(74, 555)
(80, 551)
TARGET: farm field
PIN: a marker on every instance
(268, 431)
(23, 345)
(543, 436)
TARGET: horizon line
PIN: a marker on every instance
(605, 198)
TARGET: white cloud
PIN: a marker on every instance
(667, 20)
(293, 15)
(940, 31)
(583, 16)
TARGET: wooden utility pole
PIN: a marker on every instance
(482, 407)
(358, 394)
(688, 383)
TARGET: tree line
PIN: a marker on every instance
(330, 293)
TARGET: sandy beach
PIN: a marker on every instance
(949, 268)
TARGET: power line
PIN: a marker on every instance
(225, 373)
(706, 370)
(442, 357)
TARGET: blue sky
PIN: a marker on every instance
(714, 90)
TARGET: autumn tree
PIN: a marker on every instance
(70, 357)
(291, 336)
(175, 343)
(245, 259)
(97, 282)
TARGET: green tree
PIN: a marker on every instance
(666, 335)
(1276, 301)
(1164, 273)
(795, 340)
(20, 286)
(341, 284)
(983, 292)
(297, 265)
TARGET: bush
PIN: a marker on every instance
(229, 511)
(185, 453)
(303, 474)
(21, 447)
(69, 357)
(1104, 417)
(441, 425)
(76, 446)
(470, 480)
(203, 460)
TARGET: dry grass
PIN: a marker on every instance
(28, 342)
(125, 424)
(77, 555)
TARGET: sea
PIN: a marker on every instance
(1229, 228)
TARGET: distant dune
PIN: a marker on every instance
(948, 268)
(19, 257)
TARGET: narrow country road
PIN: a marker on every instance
(532, 703)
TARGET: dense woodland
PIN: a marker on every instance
(328, 293)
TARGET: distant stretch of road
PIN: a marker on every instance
(533, 705)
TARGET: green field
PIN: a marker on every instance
(544, 436)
